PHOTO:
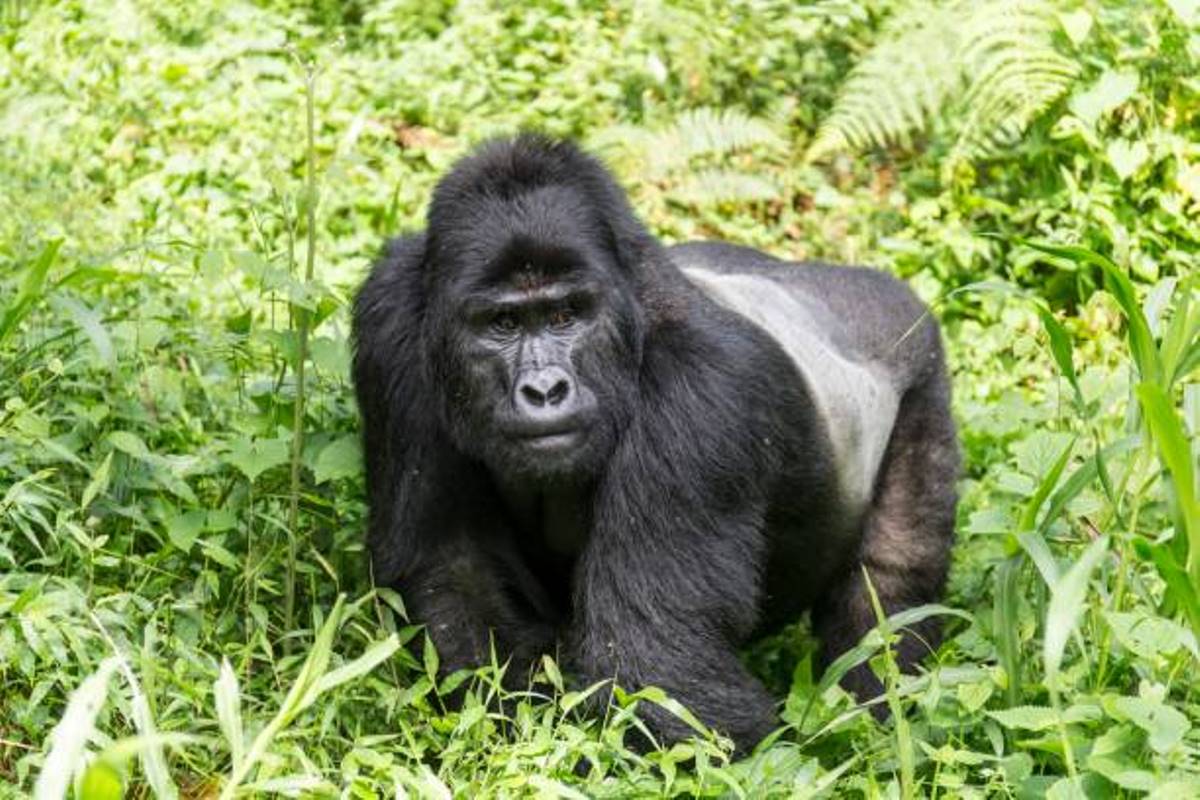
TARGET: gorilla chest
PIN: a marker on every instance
(551, 529)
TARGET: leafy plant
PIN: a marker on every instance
(994, 60)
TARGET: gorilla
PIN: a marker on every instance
(580, 441)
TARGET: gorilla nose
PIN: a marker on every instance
(543, 389)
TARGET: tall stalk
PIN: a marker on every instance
(302, 329)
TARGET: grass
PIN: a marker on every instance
(191, 194)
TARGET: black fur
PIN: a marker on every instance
(695, 506)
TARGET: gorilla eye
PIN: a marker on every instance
(562, 317)
(504, 322)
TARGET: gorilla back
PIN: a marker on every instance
(579, 441)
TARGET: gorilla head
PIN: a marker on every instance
(531, 326)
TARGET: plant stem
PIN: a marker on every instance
(302, 325)
(1068, 751)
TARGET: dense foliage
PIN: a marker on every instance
(181, 503)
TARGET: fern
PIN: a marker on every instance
(993, 60)
(687, 157)
(708, 186)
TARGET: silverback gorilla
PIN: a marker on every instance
(579, 441)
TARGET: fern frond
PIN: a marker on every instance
(994, 58)
(715, 186)
(707, 131)
(697, 132)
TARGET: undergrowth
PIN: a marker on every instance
(190, 192)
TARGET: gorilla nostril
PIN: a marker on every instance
(533, 396)
(558, 392)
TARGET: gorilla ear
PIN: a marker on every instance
(645, 261)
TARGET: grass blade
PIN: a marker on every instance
(1181, 593)
(1141, 341)
(372, 657)
(1175, 452)
(1060, 348)
(1066, 604)
(229, 712)
(1005, 624)
(1028, 521)
(30, 291)
(69, 738)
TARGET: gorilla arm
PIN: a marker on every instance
(668, 584)
(431, 512)
(656, 605)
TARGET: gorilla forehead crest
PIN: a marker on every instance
(580, 442)
(542, 201)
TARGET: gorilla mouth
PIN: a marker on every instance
(553, 441)
(544, 432)
(550, 434)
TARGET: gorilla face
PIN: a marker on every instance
(539, 344)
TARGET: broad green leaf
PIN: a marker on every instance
(1188, 11)
(570, 700)
(182, 529)
(129, 443)
(990, 520)
(1127, 157)
(393, 600)
(98, 483)
(240, 323)
(1177, 787)
(1032, 718)
(342, 458)
(101, 781)
(660, 698)
(332, 356)
(1115, 756)
(1038, 452)
(1110, 90)
(1076, 24)
(1149, 636)
(1067, 789)
(1067, 603)
(1165, 726)
(1040, 718)
(253, 457)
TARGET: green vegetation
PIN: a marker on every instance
(184, 603)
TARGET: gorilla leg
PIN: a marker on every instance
(907, 536)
